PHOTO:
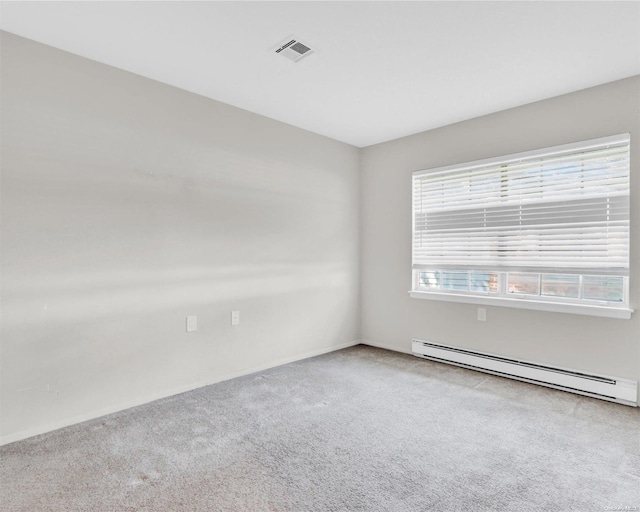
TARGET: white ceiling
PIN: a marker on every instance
(381, 70)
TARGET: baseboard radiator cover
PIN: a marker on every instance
(612, 389)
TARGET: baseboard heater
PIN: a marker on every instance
(613, 389)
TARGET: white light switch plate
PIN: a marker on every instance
(192, 323)
(482, 314)
(235, 317)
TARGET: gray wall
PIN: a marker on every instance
(128, 205)
(391, 319)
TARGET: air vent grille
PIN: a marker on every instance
(300, 48)
(293, 50)
(285, 46)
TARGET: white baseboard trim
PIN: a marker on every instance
(67, 422)
(403, 350)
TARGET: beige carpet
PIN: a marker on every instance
(361, 429)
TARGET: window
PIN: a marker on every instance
(547, 229)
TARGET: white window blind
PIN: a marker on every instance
(563, 209)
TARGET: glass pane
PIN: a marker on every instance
(430, 279)
(493, 282)
(609, 288)
(523, 283)
(561, 285)
(455, 280)
(483, 281)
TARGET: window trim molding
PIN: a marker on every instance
(623, 313)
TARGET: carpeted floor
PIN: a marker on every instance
(361, 429)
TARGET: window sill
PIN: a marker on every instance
(556, 307)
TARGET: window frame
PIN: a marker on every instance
(525, 301)
(559, 304)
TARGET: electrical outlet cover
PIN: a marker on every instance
(192, 323)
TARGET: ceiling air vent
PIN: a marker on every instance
(294, 50)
